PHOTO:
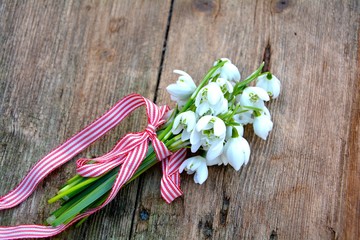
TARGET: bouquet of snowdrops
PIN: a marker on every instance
(209, 119)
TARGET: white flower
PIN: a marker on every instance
(183, 88)
(263, 124)
(253, 97)
(229, 71)
(225, 85)
(184, 121)
(237, 152)
(270, 84)
(209, 133)
(210, 100)
(195, 164)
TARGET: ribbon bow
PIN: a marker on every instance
(131, 142)
(128, 152)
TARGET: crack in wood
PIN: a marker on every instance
(273, 235)
(164, 50)
(224, 209)
(267, 57)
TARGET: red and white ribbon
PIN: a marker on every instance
(128, 152)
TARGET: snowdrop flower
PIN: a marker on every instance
(237, 152)
(210, 100)
(263, 124)
(224, 85)
(195, 165)
(253, 97)
(182, 89)
(209, 133)
(184, 121)
(269, 83)
(229, 71)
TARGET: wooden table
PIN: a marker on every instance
(64, 63)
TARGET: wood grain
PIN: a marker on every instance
(302, 183)
(63, 63)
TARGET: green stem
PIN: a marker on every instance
(240, 85)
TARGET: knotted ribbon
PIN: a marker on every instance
(128, 153)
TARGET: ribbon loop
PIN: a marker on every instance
(170, 182)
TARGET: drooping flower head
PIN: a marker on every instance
(195, 165)
(262, 124)
(237, 152)
(183, 88)
(229, 71)
(270, 84)
(225, 85)
(209, 133)
(253, 97)
(184, 122)
(210, 100)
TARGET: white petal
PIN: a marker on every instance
(229, 87)
(203, 122)
(262, 126)
(203, 108)
(215, 161)
(214, 93)
(230, 72)
(176, 128)
(195, 138)
(185, 136)
(276, 87)
(179, 92)
(199, 97)
(224, 160)
(223, 107)
(228, 132)
(263, 95)
(195, 146)
(183, 165)
(201, 174)
(219, 127)
(180, 72)
(266, 112)
(190, 120)
(237, 152)
(214, 151)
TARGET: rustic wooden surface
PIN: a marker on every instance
(63, 63)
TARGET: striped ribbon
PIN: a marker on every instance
(128, 152)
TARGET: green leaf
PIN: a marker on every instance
(86, 201)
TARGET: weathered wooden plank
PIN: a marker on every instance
(302, 183)
(62, 64)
